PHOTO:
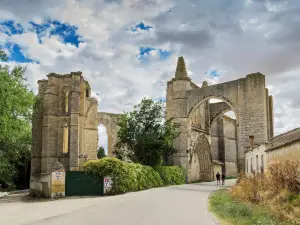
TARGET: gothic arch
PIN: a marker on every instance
(109, 120)
(202, 150)
(194, 107)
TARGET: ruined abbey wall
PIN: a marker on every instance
(247, 97)
(65, 127)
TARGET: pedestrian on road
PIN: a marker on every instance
(218, 178)
(223, 179)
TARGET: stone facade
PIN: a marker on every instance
(285, 146)
(65, 127)
(189, 105)
(66, 119)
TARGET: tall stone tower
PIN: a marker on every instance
(64, 127)
(190, 107)
(176, 107)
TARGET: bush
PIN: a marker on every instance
(129, 177)
(171, 175)
(284, 174)
(126, 176)
(278, 188)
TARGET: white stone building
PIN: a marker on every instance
(285, 146)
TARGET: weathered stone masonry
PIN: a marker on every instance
(65, 127)
(247, 97)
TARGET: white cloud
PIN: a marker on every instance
(234, 37)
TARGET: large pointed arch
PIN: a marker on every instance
(202, 151)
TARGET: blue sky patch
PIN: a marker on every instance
(212, 73)
(16, 53)
(65, 31)
(142, 26)
(10, 27)
(145, 51)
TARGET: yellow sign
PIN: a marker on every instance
(58, 182)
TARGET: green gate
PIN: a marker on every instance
(78, 183)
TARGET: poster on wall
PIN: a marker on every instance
(58, 181)
(107, 182)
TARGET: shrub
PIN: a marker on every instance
(172, 175)
(284, 174)
(126, 176)
(278, 188)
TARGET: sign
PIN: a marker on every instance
(107, 182)
(58, 181)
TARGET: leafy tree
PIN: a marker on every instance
(145, 136)
(101, 153)
(3, 56)
(16, 103)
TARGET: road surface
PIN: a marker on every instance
(175, 205)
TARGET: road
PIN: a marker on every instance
(174, 205)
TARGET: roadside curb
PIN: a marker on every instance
(12, 193)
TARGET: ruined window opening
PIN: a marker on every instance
(87, 94)
(251, 166)
(66, 139)
(262, 162)
(102, 138)
(247, 165)
(257, 166)
(67, 102)
(251, 140)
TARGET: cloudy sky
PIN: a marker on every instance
(127, 49)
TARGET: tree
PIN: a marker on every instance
(101, 153)
(145, 136)
(16, 103)
(3, 56)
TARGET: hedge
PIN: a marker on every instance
(172, 175)
(129, 177)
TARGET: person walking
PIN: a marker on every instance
(218, 178)
(223, 179)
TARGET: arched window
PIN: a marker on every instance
(67, 102)
(66, 139)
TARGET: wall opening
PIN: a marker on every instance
(66, 139)
(223, 130)
(102, 138)
(67, 102)
(251, 141)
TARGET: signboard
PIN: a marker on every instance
(107, 182)
(58, 181)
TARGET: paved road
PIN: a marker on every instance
(175, 205)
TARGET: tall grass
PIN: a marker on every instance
(278, 188)
(237, 212)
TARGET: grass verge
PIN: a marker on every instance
(238, 213)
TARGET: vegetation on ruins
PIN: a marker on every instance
(15, 125)
(128, 177)
(145, 136)
(101, 153)
(269, 198)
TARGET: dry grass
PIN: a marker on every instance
(278, 188)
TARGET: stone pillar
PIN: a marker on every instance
(271, 116)
(74, 121)
(252, 114)
(49, 129)
(180, 117)
(37, 124)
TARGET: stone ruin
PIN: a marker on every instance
(66, 119)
